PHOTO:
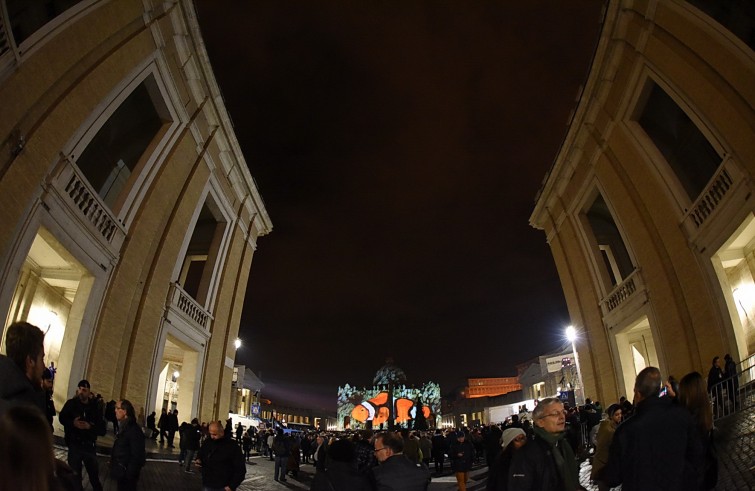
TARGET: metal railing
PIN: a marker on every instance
(734, 394)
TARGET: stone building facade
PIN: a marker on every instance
(648, 206)
(128, 216)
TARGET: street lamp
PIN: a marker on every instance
(237, 343)
(571, 335)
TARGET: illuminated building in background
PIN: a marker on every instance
(488, 387)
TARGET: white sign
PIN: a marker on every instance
(555, 363)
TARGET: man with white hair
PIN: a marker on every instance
(547, 463)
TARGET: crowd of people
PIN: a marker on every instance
(662, 440)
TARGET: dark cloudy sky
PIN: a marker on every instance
(398, 146)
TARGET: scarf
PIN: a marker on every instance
(563, 456)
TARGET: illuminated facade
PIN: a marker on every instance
(388, 400)
(488, 387)
(128, 216)
(648, 206)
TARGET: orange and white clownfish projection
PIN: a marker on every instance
(376, 410)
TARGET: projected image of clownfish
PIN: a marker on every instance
(376, 410)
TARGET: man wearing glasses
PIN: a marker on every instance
(547, 463)
(396, 472)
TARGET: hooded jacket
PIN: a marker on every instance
(17, 389)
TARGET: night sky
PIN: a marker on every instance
(398, 147)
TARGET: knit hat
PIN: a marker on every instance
(509, 435)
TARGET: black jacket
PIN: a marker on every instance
(16, 389)
(440, 445)
(398, 473)
(90, 412)
(128, 455)
(340, 476)
(533, 468)
(192, 435)
(658, 448)
(222, 463)
(462, 455)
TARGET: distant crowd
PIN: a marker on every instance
(661, 440)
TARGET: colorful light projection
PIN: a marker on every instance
(357, 407)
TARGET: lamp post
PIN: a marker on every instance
(571, 335)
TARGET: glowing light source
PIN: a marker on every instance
(571, 333)
(176, 374)
(237, 343)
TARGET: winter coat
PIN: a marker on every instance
(397, 473)
(606, 431)
(16, 389)
(90, 412)
(658, 448)
(462, 456)
(222, 463)
(128, 455)
(193, 435)
(534, 469)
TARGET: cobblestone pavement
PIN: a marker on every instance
(162, 472)
(735, 444)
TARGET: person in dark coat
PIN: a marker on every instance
(151, 426)
(193, 435)
(440, 447)
(365, 452)
(715, 377)
(128, 455)
(294, 457)
(498, 475)
(182, 442)
(110, 416)
(491, 439)
(306, 446)
(658, 448)
(246, 443)
(162, 424)
(282, 449)
(320, 453)
(84, 421)
(732, 384)
(221, 460)
(395, 470)
(342, 473)
(462, 455)
(547, 462)
(21, 370)
(47, 387)
(172, 427)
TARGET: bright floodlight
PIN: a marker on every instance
(571, 333)
(237, 343)
(176, 374)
